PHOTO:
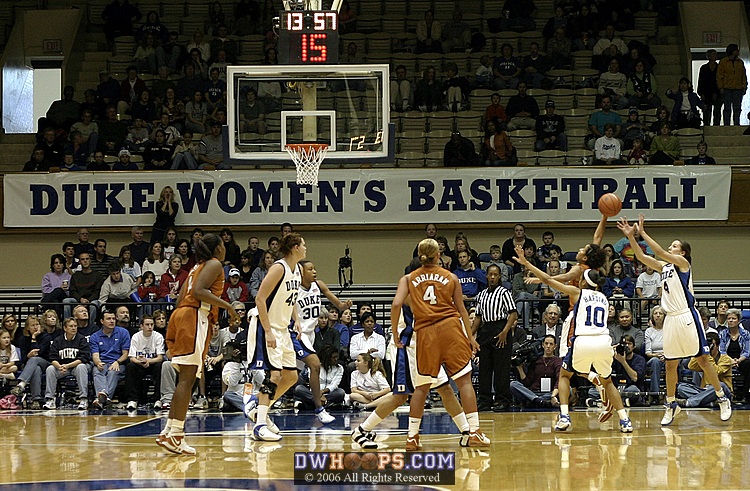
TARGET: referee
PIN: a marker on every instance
(494, 327)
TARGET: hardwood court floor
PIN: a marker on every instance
(67, 450)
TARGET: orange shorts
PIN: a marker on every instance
(443, 343)
(187, 336)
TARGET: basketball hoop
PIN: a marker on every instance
(307, 158)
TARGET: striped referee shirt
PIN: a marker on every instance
(495, 305)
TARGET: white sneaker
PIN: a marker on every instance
(325, 418)
(262, 433)
(83, 405)
(563, 422)
(132, 405)
(201, 403)
(50, 404)
(671, 410)
(725, 408)
(157, 405)
(175, 444)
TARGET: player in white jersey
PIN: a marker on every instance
(590, 345)
(684, 335)
(302, 333)
(268, 332)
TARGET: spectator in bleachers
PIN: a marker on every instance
(506, 68)
(69, 355)
(455, 88)
(153, 26)
(234, 288)
(456, 34)
(146, 356)
(252, 114)
(211, 150)
(535, 66)
(221, 64)
(528, 388)
(63, 113)
(145, 55)
(428, 96)
(203, 47)
(89, 131)
(519, 15)
(551, 325)
(77, 148)
(174, 107)
(484, 78)
(550, 130)
(496, 111)
(100, 260)
(118, 19)
(232, 256)
(128, 266)
(685, 113)
(109, 351)
(735, 342)
(222, 41)
(509, 247)
(158, 155)
(615, 84)
(83, 244)
(139, 248)
(702, 158)
(33, 347)
(543, 251)
(200, 66)
(108, 90)
(638, 155)
(642, 88)
(36, 163)
(138, 136)
(155, 261)
(160, 85)
(522, 110)
(599, 119)
(665, 148)
(429, 33)
(53, 150)
(472, 279)
(55, 284)
(255, 252)
(648, 287)
(708, 90)
(185, 153)
(559, 21)
(625, 326)
(69, 163)
(459, 152)
(130, 90)
(216, 18)
(144, 108)
(618, 283)
(629, 367)
(112, 132)
(71, 261)
(498, 149)
(586, 24)
(732, 81)
(719, 321)
(98, 164)
(633, 129)
(558, 49)
(124, 162)
(402, 91)
(607, 48)
(118, 287)
(196, 113)
(525, 294)
(607, 149)
(171, 281)
(90, 103)
(367, 340)
(260, 272)
(171, 53)
(171, 134)
(188, 85)
(357, 328)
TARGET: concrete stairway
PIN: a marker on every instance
(728, 145)
(16, 151)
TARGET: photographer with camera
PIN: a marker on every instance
(538, 388)
(628, 372)
(494, 327)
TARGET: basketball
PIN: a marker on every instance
(369, 461)
(610, 205)
(352, 461)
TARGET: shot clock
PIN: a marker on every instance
(308, 37)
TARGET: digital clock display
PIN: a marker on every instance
(308, 37)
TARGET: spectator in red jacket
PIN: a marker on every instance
(234, 288)
(171, 281)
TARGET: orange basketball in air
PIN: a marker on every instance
(352, 461)
(369, 461)
(610, 205)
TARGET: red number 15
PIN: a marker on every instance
(314, 48)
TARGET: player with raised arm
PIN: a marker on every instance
(402, 354)
(303, 332)
(436, 300)
(269, 344)
(187, 333)
(590, 343)
(684, 335)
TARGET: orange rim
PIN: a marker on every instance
(307, 146)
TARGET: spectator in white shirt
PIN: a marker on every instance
(648, 286)
(367, 341)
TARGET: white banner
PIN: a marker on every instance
(387, 196)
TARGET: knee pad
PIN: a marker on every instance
(268, 387)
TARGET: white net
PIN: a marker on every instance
(307, 158)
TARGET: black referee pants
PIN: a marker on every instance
(494, 364)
